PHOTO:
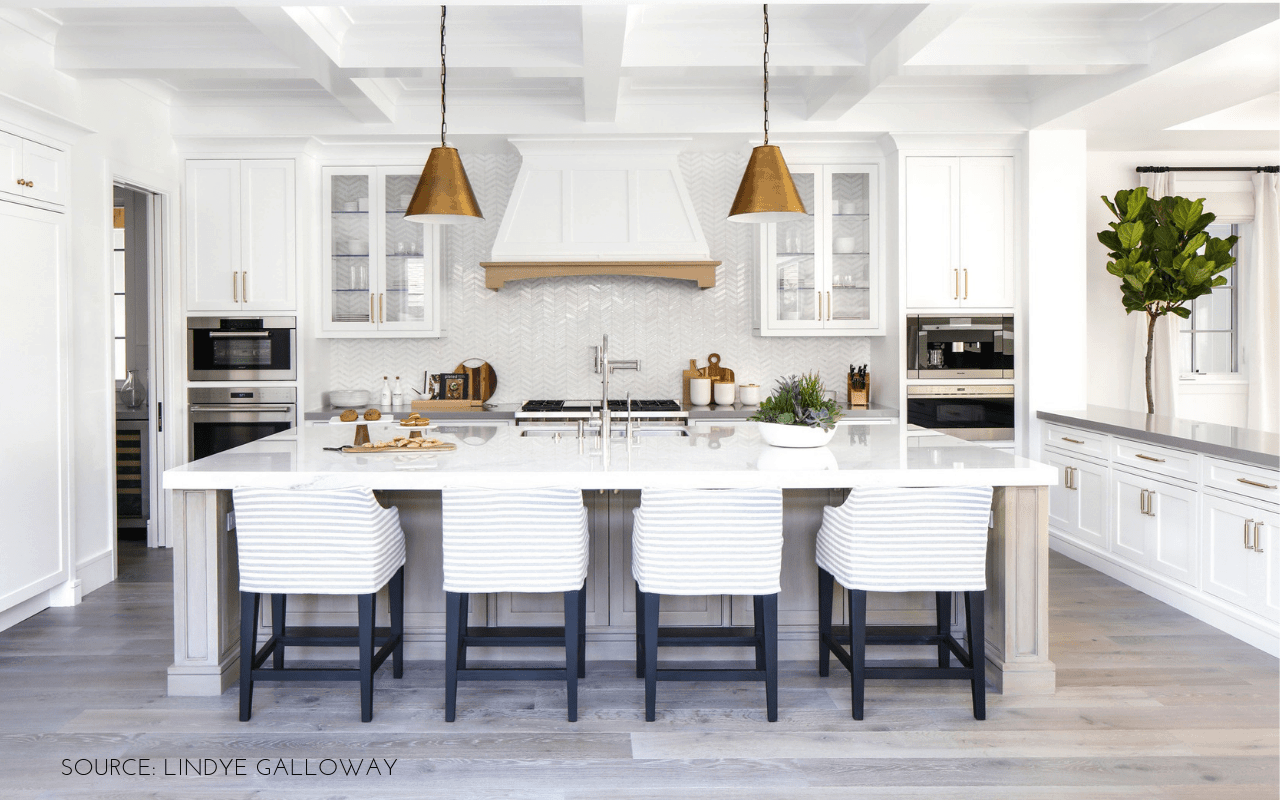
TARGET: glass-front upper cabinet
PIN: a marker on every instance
(822, 275)
(382, 272)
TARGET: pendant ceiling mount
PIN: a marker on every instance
(443, 195)
(767, 192)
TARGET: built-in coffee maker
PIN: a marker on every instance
(959, 347)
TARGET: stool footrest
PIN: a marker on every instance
(705, 674)
(327, 636)
(512, 674)
(545, 636)
(707, 636)
(388, 645)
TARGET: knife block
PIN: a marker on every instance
(859, 398)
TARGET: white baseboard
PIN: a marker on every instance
(68, 593)
(1189, 600)
(98, 571)
(27, 608)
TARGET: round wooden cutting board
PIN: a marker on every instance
(482, 381)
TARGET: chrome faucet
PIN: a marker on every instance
(604, 367)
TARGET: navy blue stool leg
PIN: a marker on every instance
(396, 592)
(454, 603)
(757, 615)
(826, 585)
(572, 602)
(858, 647)
(943, 601)
(769, 608)
(639, 632)
(248, 648)
(582, 631)
(651, 604)
(975, 622)
(464, 614)
(277, 630)
(367, 603)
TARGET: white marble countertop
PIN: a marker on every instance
(721, 456)
(1224, 441)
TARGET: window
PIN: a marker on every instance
(1209, 336)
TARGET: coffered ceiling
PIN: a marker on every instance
(1154, 74)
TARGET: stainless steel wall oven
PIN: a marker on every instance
(242, 348)
(222, 418)
(981, 412)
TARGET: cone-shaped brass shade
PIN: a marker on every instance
(767, 192)
(444, 194)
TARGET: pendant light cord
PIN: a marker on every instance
(766, 73)
(443, 74)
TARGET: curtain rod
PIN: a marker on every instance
(1272, 168)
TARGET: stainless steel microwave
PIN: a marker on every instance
(956, 347)
(242, 348)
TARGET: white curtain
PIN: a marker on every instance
(1164, 373)
(1260, 293)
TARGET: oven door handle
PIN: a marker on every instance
(253, 409)
(241, 334)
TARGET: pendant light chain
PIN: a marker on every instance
(443, 127)
(766, 73)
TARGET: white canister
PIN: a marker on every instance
(723, 393)
(749, 393)
(700, 391)
(362, 204)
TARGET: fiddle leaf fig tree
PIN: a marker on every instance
(1164, 259)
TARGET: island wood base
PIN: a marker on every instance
(206, 610)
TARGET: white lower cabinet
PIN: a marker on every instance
(1190, 529)
(1241, 565)
(1078, 503)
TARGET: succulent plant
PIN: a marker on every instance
(799, 400)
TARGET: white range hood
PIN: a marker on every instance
(600, 207)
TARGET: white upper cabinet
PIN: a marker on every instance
(959, 244)
(239, 235)
(381, 272)
(822, 275)
(32, 171)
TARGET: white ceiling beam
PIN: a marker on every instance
(888, 49)
(604, 31)
(300, 36)
(1214, 28)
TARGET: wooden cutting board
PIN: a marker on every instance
(713, 371)
(436, 448)
(447, 405)
(482, 381)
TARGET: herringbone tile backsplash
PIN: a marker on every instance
(538, 334)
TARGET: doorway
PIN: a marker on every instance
(137, 365)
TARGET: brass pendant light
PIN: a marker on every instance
(767, 192)
(443, 195)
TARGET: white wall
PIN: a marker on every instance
(1112, 356)
(130, 138)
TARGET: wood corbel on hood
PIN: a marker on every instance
(497, 273)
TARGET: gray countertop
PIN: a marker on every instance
(498, 412)
(1224, 441)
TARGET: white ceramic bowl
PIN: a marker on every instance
(794, 435)
(843, 244)
(349, 398)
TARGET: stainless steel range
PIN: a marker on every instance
(582, 418)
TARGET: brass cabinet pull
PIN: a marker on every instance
(1248, 523)
(371, 316)
(828, 305)
(244, 286)
(21, 182)
(380, 319)
(966, 284)
(1255, 483)
(1151, 503)
(1148, 458)
(235, 286)
(819, 306)
(1073, 441)
(957, 294)
(31, 184)
(1257, 537)
(1142, 502)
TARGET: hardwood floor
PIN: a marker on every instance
(1150, 703)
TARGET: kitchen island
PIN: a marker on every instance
(498, 456)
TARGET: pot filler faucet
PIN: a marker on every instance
(604, 367)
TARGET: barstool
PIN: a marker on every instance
(906, 540)
(696, 542)
(335, 541)
(514, 541)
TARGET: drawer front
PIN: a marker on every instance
(1256, 483)
(1155, 459)
(1074, 440)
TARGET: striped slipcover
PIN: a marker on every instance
(301, 541)
(708, 541)
(515, 540)
(905, 540)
